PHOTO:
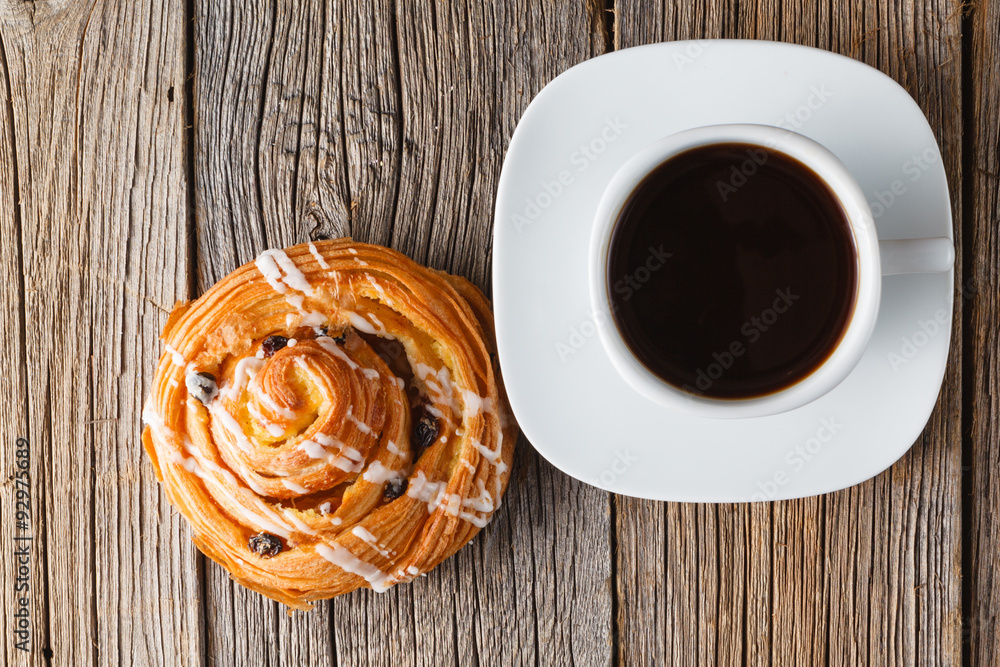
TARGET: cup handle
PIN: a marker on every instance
(933, 255)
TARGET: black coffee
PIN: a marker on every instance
(732, 271)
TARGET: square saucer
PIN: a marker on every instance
(569, 400)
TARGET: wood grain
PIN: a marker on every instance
(14, 419)
(388, 122)
(982, 368)
(866, 575)
(98, 151)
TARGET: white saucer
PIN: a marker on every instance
(569, 400)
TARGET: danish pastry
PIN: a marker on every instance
(330, 417)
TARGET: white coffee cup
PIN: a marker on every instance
(874, 260)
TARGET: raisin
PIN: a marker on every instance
(272, 344)
(395, 488)
(202, 386)
(339, 338)
(265, 545)
(425, 432)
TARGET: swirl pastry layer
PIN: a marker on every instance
(331, 417)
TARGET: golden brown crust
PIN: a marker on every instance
(308, 446)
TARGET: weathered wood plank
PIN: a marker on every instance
(96, 92)
(867, 574)
(233, 51)
(389, 122)
(982, 289)
(22, 484)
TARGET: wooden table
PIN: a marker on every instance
(149, 147)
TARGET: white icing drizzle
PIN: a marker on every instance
(439, 383)
(307, 318)
(269, 269)
(255, 487)
(473, 402)
(412, 569)
(343, 558)
(491, 455)
(154, 421)
(324, 509)
(331, 346)
(272, 428)
(264, 519)
(393, 449)
(360, 323)
(352, 251)
(293, 277)
(336, 521)
(319, 257)
(231, 425)
(369, 539)
(174, 383)
(257, 392)
(378, 288)
(292, 342)
(301, 525)
(269, 261)
(269, 520)
(377, 322)
(360, 261)
(176, 357)
(476, 520)
(317, 450)
(379, 474)
(433, 493)
(246, 369)
(363, 427)
(190, 465)
(292, 486)
(313, 449)
(481, 503)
